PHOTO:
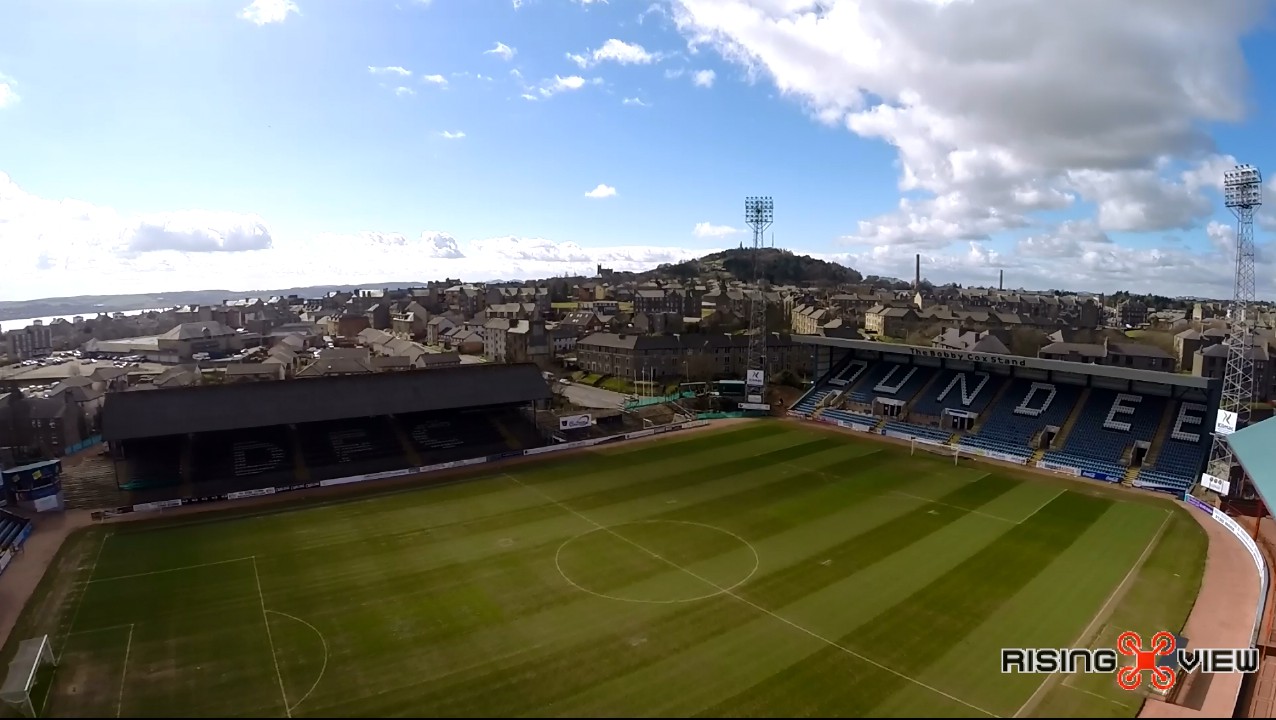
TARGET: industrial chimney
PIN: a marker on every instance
(917, 275)
(1001, 279)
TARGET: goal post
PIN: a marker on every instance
(935, 449)
(33, 654)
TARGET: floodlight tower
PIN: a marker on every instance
(759, 213)
(1242, 194)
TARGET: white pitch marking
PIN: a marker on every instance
(1099, 617)
(323, 668)
(128, 648)
(176, 569)
(955, 507)
(1043, 505)
(271, 638)
(730, 593)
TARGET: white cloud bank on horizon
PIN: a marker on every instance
(70, 247)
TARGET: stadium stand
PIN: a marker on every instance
(250, 435)
(1176, 465)
(1024, 410)
(11, 526)
(354, 446)
(1119, 424)
(151, 463)
(264, 455)
(1106, 429)
(958, 390)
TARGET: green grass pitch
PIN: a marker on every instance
(760, 569)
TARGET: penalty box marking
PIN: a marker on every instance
(274, 656)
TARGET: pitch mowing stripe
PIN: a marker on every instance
(504, 575)
(913, 633)
(691, 625)
(604, 663)
(643, 454)
(861, 551)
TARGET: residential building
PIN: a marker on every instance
(32, 341)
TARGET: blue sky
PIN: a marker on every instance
(211, 142)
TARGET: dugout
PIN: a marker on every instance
(36, 487)
(248, 435)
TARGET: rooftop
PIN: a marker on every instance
(211, 408)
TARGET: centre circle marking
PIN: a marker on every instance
(612, 530)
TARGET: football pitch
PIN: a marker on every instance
(764, 568)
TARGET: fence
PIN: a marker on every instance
(83, 444)
(1247, 542)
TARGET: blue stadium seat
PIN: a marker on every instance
(863, 391)
(897, 428)
(809, 402)
(958, 390)
(1107, 426)
(1025, 409)
(850, 417)
(1182, 455)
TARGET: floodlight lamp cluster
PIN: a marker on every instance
(759, 210)
(1243, 187)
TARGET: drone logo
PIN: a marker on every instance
(1130, 677)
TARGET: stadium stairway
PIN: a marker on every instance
(954, 438)
(1065, 432)
(987, 411)
(1158, 441)
(405, 442)
(1182, 454)
(1130, 474)
(10, 527)
(186, 467)
(300, 471)
(1036, 457)
(925, 391)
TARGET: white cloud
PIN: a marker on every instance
(709, 230)
(8, 94)
(602, 191)
(591, 2)
(617, 51)
(653, 9)
(66, 247)
(529, 96)
(452, 135)
(517, 4)
(264, 12)
(561, 84)
(404, 91)
(434, 80)
(196, 232)
(390, 70)
(1001, 110)
(635, 101)
(503, 51)
(704, 78)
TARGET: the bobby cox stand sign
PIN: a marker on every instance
(1130, 662)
